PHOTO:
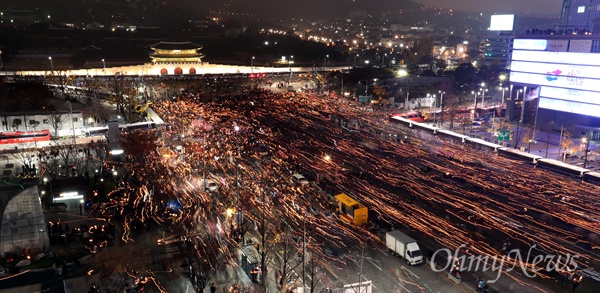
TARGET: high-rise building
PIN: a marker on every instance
(581, 15)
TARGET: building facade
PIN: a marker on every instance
(60, 123)
(496, 49)
(557, 79)
(581, 15)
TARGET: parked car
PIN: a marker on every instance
(299, 179)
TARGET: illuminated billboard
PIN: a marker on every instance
(569, 81)
(556, 79)
(571, 70)
(502, 22)
(557, 57)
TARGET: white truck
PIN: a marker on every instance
(401, 244)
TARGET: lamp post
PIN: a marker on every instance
(483, 90)
(237, 182)
(103, 66)
(524, 91)
(71, 116)
(51, 64)
(406, 102)
(252, 64)
(534, 123)
(290, 69)
(474, 104)
(522, 112)
(442, 107)
(586, 141)
(325, 62)
(503, 91)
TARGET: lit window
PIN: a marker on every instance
(581, 9)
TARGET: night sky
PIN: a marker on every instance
(541, 7)
(334, 8)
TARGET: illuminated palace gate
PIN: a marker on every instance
(176, 58)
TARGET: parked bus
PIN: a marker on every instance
(563, 168)
(96, 131)
(24, 136)
(413, 116)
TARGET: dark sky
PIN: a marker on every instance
(322, 8)
(543, 7)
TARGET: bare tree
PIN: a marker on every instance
(314, 271)
(123, 94)
(27, 156)
(208, 254)
(287, 259)
(56, 121)
(118, 268)
(65, 152)
(92, 87)
(61, 79)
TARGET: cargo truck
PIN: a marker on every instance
(401, 244)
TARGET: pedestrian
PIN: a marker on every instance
(213, 288)
(480, 286)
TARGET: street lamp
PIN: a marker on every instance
(474, 104)
(586, 142)
(103, 66)
(483, 90)
(442, 107)
(522, 105)
(237, 182)
(252, 64)
(406, 102)
(51, 64)
(503, 91)
(290, 68)
(522, 112)
(71, 116)
(325, 62)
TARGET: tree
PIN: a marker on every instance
(61, 79)
(65, 152)
(566, 143)
(27, 155)
(314, 271)
(118, 268)
(451, 106)
(123, 94)
(465, 74)
(287, 260)
(208, 254)
(91, 89)
(56, 121)
(528, 137)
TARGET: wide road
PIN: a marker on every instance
(441, 193)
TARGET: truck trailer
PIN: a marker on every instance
(401, 244)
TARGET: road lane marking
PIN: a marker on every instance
(374, 264)
(413, 274)
(404, 288)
